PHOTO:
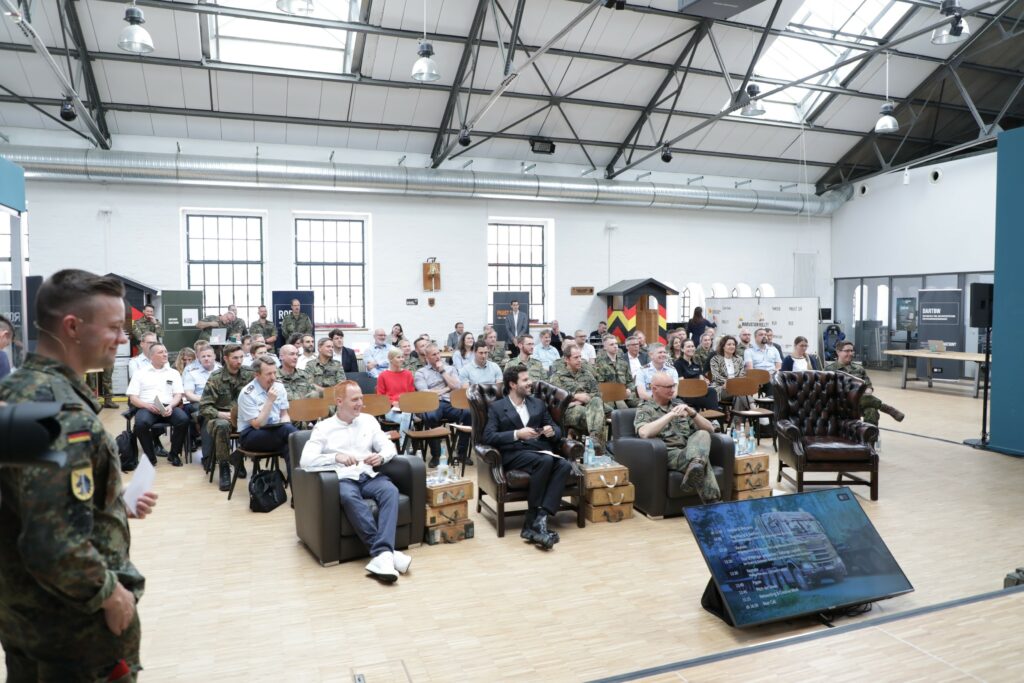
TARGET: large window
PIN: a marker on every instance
(515, 263)
(225, 260)
(329, 260)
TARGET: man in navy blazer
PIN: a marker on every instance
(520, 427)
(343, 354)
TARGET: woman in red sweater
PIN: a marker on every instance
(392, 383)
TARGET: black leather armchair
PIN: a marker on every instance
(510, 486)
(817, 417)
(659, 491)
(320, 522)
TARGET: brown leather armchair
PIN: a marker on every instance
(321, 524)
(510, 486)
(817, 417)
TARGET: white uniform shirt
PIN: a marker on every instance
(251, 400)
(634, 365)
(137, 363)
(359, 438)
(588, 353)
(304, 360)
(149, 383)
(195, 379)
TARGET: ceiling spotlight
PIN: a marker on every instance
(542, 146)
(67, 110)
(134, 38)
(425, 68)
(301, 7)
(615, 4)
(887, 123)
(956, 30)
(666, 153)
(464, 138)
(753, 106)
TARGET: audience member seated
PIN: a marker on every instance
(520, 427)
(482, 370)
(376, 356)
(675, 346)
(441, 378)
(325, 371)
(199, 346)
(546, 353)
(688, 367)
(264, 327)
(870, 405)
(612, 366)
(634, 356)
(413, 361)
(559, 365)
(343, 354)
(725, 365)
(587, 351)
(585, 412)
(211, 322)
(142, 359)
(7, 338)
(237, 329)
(525, 358)
(183, 360)
(705, 350)
(517, 323)
(193, 381)
(488, 327)
(392, 383)
(643, 341)
(771, 340)
(307, 352)
(353, 446)
(557, 336)
(497, 351)
(686, 434)
(156, 392)
(659, 363)
(246, 343)
(743, 342)
(263, 422)
(455, 337)
(697, 324)
(762, 356)
(147, 323)
(297, 383)
(220, 395)
(261, 349)
(397, 334)
(295, 322)
(596, 337)
(800, 360)
(463, 351)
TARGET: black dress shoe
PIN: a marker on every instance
(242, 474)
(527, 532)
(161, 452)
(540, 525)
(174, 460)
(225, 476)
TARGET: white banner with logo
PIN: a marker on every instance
(788, 317)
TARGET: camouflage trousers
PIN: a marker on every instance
(698, 447)
(216, 439)
(107, 383)
(869, 407)
(69, 647)
(588, 419)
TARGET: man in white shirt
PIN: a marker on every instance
(263, 422)
(376, 356)
(156, 392)
(481, 370)
(762, 356)
(142, 360)
(352, 444)
(308, 354)
(636, 361)
(587, 350)
(659, 363)
(546, 353)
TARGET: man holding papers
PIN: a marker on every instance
(156, 392)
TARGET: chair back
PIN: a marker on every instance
(741, 386)
(308, 409)
(817, 402)
(480, 397)
(417, 402)
(459, 399)
(613, 391)
(761, 376)
(329, 393)
(622, 423)
(376, 405)
(692, 388)
(366, 383)
(556, 400)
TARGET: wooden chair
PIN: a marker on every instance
(329, 394)
(459, 400)
(763, 399)
(612, 391)
(255, 456)
(697, 388)
(748, 386)
(379, 405)
(420, 403)
(308, 411)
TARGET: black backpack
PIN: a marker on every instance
(266, 491)
(128, 449)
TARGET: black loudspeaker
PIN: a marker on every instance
(981, 304)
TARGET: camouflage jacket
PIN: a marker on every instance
(221, 391)
(205, 334)
(574, 383)
(298, 384)
(237, 330)
(498, 354)
(412, 364)
(326, 375)
(291, 325)
(143, 326)
(855, 369)
(534, 368)
(675, 433)
(618, 371)
(267, 329)
(703, 356)
(64, 537)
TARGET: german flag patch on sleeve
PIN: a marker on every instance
(79, 437)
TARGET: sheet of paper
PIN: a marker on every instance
(142, 481)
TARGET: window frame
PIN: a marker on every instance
(246, 311)
(363, 265)
(545, 266)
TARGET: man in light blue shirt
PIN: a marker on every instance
(659, 363)
(376, 357)
(762, 356)
(546, 353)
(194, 379)
(481, 370)
(263, 422)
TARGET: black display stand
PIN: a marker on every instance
(987, 367)
(713, 602)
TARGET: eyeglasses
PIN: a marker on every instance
(663, 386)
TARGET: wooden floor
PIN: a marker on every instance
(232, 596)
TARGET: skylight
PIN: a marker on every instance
(257, 42)
(846, 24)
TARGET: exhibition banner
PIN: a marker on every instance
(788, 317)
(940, 318)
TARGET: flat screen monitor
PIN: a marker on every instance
(787, 556)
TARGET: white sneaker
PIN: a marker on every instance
(402, 562)
(383, 568)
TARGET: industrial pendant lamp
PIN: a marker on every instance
(425, 68)
(301, 7)
(956, 29)
(753, 107)
(887, 123)
(134, 38)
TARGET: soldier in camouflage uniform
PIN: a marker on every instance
(534, 368)
(705, 350)
(559, 365)
(147, 323)
(297, 383)
(324, 371)
(414, 361)
(743, 342)
(686, 434)
(611, 366)
(237, 329)
(68, 588)
(219, 396)
(585, 413)
(264, 327)
(296, 322)
(211, 322)
(498, 351)
(870, 405)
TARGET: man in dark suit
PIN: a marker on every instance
(520, 427)
(343, 354)
(516, 323)
(453, 337)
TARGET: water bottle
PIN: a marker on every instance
(736, 441)
(442, 465)
(588, 452)
(751, 441)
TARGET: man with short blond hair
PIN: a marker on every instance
(325, 371)
(659, 363)
(156, 393)
(585, 412)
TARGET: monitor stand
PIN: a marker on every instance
(712, 601)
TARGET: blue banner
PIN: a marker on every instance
(281, 305)
(12, 185)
